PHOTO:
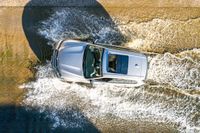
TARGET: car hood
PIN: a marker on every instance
(70, 59)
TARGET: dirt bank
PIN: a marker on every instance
(110, 3)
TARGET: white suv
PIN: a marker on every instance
(77, 61)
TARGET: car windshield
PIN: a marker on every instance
(92, 63)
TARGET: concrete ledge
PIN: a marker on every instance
(107, 3)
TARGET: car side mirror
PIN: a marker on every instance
(91, 82)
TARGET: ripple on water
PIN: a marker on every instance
(77, 23)
(182, 72)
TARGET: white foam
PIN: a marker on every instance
(180, 72)
(143, 104)
(160, 35)
(74, 23)
(159, 103)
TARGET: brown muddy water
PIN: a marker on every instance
(32, 99)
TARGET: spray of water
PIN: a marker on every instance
(180, 72)
(151, 103)
(76, 23)
(166, 102)
(156, 35)
(161, 35)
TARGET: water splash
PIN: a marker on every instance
(161, 35)
(69, 23)
(150, 103)
(182, 72)
(157, 35)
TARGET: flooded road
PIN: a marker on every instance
(36, 99)
(165, 107)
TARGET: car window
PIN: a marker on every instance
(92, 63)
(117, 64)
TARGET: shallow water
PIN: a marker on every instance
(163, 100)
(151, 103)
(168, 102)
